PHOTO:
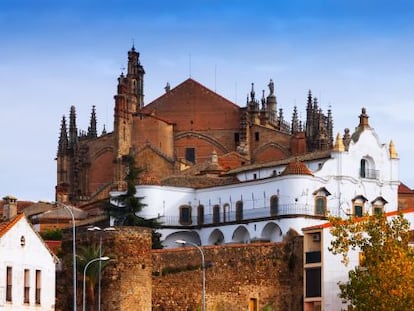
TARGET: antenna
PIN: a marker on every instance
(235, 92)
(189, 64)
(215, 78)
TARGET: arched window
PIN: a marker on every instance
(274, 205)
(239, 210)
(185, 215)
(216, 213)
(363, 168)
(320, 206)
(321, 196)
(200, 214)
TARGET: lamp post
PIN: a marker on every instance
(95, 228)
(203, 268)
(73, 251)
(84, 277)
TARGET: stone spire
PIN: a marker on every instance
(63, 138)
(295, 121)
(73, 130)
(92, 133)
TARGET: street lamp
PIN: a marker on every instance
(105, 258)
(203, 268)
(95, 228)
(73, 250)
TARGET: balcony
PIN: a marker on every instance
(230, 216)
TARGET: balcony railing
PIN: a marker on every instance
(248, 214)
(370, 174)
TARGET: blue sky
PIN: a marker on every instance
(55, 54)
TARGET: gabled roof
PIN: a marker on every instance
(187, 83)
(5, 226)
(402, 188)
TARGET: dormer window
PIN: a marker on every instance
(358, 204)
(378, 205)
(321, 201)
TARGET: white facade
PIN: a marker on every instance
(332, 271)
(267, 202)
(27, 269)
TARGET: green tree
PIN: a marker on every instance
(384, 280)
(128, 205)
(85, 254)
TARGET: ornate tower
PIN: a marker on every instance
(62, 164)
(128, 100)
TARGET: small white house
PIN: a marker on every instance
(324, 270)
(27, 267)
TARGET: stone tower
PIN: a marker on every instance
(128, 100)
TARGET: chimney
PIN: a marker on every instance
(9, 207)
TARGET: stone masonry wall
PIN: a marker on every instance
(138, 278)
(126, 281)
(237, 275)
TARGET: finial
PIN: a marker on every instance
(167, 87)
(252, 93)
(271, 86)
(363, 119)
(133, 45)
(339, 144)
(393, 151)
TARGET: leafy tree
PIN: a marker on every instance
(385, 278)
(52, 234)
(128, 205)
(84, 255)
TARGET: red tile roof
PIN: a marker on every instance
(296, 168)
(402, 188)
(6, 225)
(389, 214)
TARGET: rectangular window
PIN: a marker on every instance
(185, 215)
(190, 154)
(38, 286)
(9, 275)
(26, 286)
(313, 282)
(358, 211)
(313, 257)
(256, 136)
(216, 214)
(236, 137)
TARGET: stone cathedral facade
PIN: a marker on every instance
(178, 134)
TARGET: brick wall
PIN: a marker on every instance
(236, 274)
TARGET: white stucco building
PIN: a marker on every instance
(264, 201)
(27, 267)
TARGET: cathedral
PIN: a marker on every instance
(178, 133)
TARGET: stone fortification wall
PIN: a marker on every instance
(126, 281)
(236, 276)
